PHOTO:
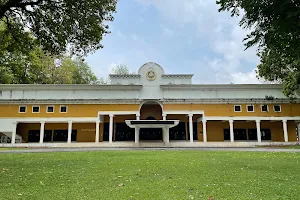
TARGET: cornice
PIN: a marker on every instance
(220, 86)
(139, 101)
(125, 76)
(177, 76)
(71, 87)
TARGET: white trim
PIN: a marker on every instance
(36, 106)
(183, 112)
(251, 118)
(48, 107)
(25, 109)
(63, 106)
(279, 108)
(252, 106)
(261, 106)
(118, 113)
(53, 119)
(239, 106)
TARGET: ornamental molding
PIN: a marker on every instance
(182, 76)
(216, 87)
(140, 101)
(69, 87)
(124, 75)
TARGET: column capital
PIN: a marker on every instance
(137, 115)
(204, 121)
(97, 121)
(231, 121)
(257, 121)
(111, 115)
(164, 115)
(284, 120)
(42, 122)
(70, 122)
(191, 114)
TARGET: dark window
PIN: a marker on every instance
(50, 109)
(226, 134)
(250, 108)
(62, 135)
(22, 109)
(264, 108)
(252, 134)
(63, 109)
(35, 109)
(34, 135)
(239, 134)
(265, 134)
(277, 108)
(178, 132)
(124, 132)
(105, 131)
(237, 108)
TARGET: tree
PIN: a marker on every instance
(275, 29)
(57, 25)
(120, 69)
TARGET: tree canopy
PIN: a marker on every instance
(120, 69)
(57, 25)
(275, 28)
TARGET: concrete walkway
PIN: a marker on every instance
(44, 150)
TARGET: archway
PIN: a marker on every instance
(151, 110)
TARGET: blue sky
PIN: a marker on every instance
(188, 36)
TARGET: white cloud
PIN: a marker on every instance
(219, 30)
(245, 78)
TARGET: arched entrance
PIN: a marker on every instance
(151, 110)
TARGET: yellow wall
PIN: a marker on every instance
(86, 132)
(86, 110)
(74, 110)
(228, 109)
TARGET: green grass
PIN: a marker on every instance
(150, 175)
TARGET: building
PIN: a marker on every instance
(149, 106)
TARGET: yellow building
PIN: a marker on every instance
(147, 107)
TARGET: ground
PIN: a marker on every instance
(188, 174)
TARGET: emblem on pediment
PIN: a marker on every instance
(151, 75)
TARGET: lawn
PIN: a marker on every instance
(150, 175)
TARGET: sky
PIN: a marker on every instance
(184, 37)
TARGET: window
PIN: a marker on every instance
(237, 108)
(264, 108)
(63, 109)
(50, 109)
(277, 108)
(250, 108)
(35, 109)
(22, 109)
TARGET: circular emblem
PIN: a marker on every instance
(151, 75)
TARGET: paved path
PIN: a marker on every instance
(42, 150)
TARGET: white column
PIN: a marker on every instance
(231, 130)
(164, 116)
(258, 130)
(137, 116)
(42, 130)
(191, 127)
(13, 136)
(204, 130)
(69, 131)
(298, 130)
(137, 135)
(111, 124)
(166, 135)
(97, 131)
(285, 131)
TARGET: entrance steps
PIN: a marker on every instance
(177, 144)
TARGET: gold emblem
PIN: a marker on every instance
(151, 75)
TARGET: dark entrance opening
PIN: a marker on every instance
(151, 134)
(62, 135)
